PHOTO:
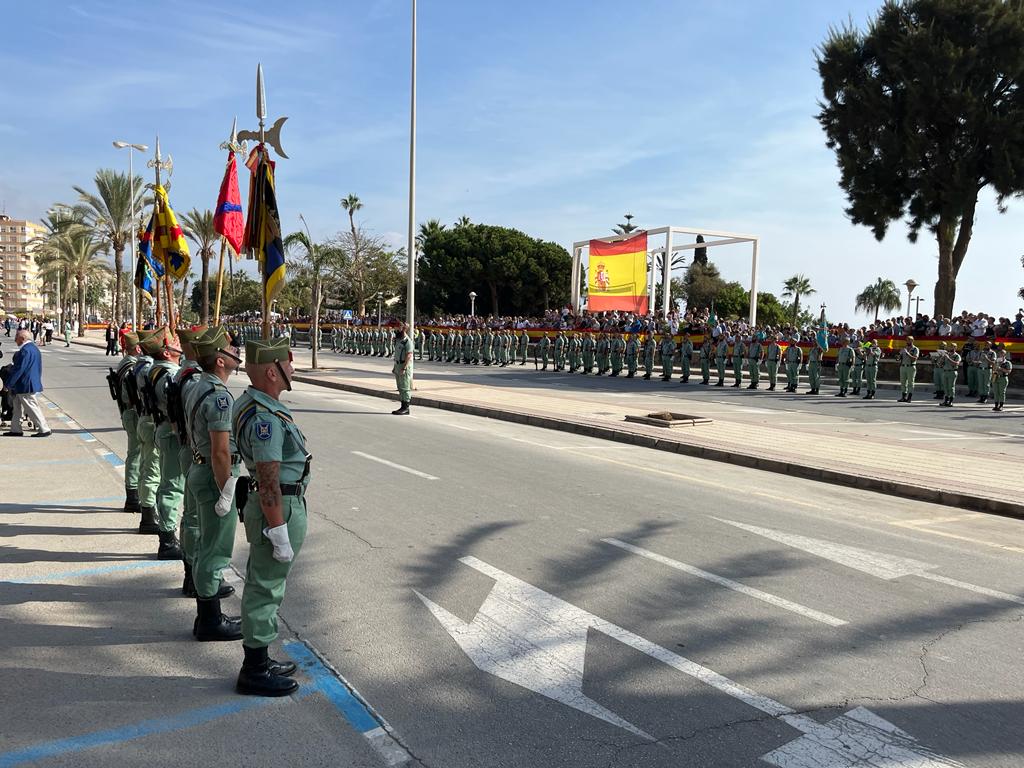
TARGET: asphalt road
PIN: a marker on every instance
(510, 596)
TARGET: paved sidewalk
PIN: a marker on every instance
(838, 452)
(98, 660)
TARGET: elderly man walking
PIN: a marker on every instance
(25, 379)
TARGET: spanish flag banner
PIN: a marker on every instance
(617, 275)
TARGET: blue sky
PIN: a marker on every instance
(553, 117)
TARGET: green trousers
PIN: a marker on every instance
(189, 514)
(684, 364)
(737, 369)
(404, 382)
(149, 462)
(871, 375)
(949, 383)
(666, 367)
(616, 362)
(843, 369)
(216, 537)
(720, 368)
(264, 576)
(705, 370)
(999, 386)
(773, 373)
(858, 375)
(523, 348)
(130, 422)
(631, 364)
(792, 375)
(972, 379)
(907, 379)
(984, 382)
(814, 376)
(937, 378)
(754, 369)
(172, 480)
(648, 365)
(588, 362)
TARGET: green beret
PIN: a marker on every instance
(261, 351)
(212, 340)
(131, 340)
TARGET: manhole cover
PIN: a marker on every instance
(668, 419)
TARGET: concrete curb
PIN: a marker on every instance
(807, 472)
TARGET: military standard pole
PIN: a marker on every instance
(410, 310)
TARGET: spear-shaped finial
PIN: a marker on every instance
(158, 163)
(271, 136)
(233, 144)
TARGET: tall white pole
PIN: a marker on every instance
(753, 286)
(666, 276)
(410, 310)
(131, 240)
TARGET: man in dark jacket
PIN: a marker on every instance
(25, 379)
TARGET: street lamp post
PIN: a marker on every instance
(911, 285)
(380, 302)
(410, 309)
(472, 303)
(131, 183)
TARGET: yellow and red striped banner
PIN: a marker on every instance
(617, 275)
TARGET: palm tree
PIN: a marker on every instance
(76, 251)
(351, 204)
(463, 221)
(431, 228)
(794, 288)
(53, 271)
(883, 294)
(317, 257)
(108, 211)
(198, 227)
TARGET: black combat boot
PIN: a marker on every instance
(211, 624)
(188, 587)
(647, 377)
(721, 383)
(402, 411)
(256, 678)
(910, 397)
(148, 522)
(131, 500)
(170, 548)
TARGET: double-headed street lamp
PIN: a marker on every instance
(472, 303)
(911, 285)
(131, 181)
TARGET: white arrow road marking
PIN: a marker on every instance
(779, 602)
(876, 564)
(529, 637)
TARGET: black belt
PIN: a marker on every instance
(287, 489)
(198, 458)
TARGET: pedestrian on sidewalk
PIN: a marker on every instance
(67, 333)
(403, 369)
(111, 339)
(24, 381)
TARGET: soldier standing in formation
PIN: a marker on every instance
(707, 351)
(542, 347)
(909, 355)
(618, 348)
(149, 457)
(588, 353)
(668, 351)
(755, 354)
(524, 346)
(686, 358)
(844, 363)
(721, 355)
(403, 369)
(650, 347)
(739, 354)
(986, 363)
(814, 358)
(938, 363)
(273, 449)
(950, 370)
(129, 420)
(1001, 369)
(871, 357)
(632, 355)
(772, 357)
(858, 368)
(794, 358)
(604, 362)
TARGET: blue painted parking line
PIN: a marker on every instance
(93, 571)
(352, 706)
(113, 459)
(44, 462)
(189, 719)
(76, 502)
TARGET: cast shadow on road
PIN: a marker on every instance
(19, 555)
(62, 509)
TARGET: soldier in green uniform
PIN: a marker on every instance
(794, 358)
(543, 347)
(560, 350)
(938, 358)
(650, 347)
(604, 348)
(814, 358)
(772, 357)
(858, 367)
(909, 355)
(524, 346)
(212, 475)
(588, 353)
(419, 343)
(513, 346)
(667, 351)
(181, 383)
(632, 355)
(739, 354)
(685, 357)
(403, 369)
(986, 362)
(149, 456)
(575, 353)
(129, 420)
(1001, 369)
(755, 354)
(166, 362)
(844, 363)
(273, 449)
(871, 357)
(721, 355)
(706, 353)
(618, 349)
(950, 370)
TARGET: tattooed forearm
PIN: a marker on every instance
(267, 474)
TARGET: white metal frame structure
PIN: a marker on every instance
(723, 238)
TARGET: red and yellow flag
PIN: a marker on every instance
(617, 275)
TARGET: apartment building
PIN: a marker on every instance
(20, 286)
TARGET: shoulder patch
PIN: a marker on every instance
(264, 430)
(222, 403)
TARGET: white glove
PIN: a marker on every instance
(279, 538)
(227, 493)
